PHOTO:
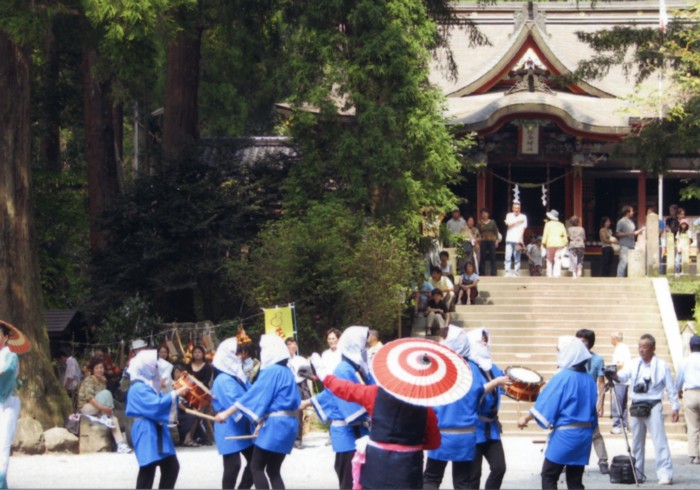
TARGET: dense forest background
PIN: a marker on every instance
(129, 189)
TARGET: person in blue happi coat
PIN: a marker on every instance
(271, 403)
(567, 406)
(153, 444)
(348, 421)
(488, 428)
(458, 421)
(229, 386)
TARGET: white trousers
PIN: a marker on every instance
(654, 423)
(9, 413)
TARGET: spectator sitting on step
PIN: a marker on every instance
(437, 313)
(443, 283)
(95, 400)
(446, 265)
(468, 286)
(422, 295)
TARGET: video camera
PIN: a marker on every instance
(610, 371)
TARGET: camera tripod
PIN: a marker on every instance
(610, 386)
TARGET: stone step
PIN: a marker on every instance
(547, 326)
(574, 308)
(598, 315)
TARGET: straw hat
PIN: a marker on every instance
(17, 342)
(553, 215)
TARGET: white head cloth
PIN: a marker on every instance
(144, 367)
(457, 340)
(480, 352)
(227, 361)
(353, 345)
(272, 350)
(165, 369)
(571, 352)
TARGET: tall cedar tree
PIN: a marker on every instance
(391, 153)
(43, 398)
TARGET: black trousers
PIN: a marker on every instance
(488, 252)
(606, 260)
(435, 470)
(169, 468)
(343, 468)
(232, 466)
(267, 464)
(495, 457)
(551, 472)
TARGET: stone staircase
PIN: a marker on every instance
(525, 315)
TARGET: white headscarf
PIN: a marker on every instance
(479, 352)
(227, 361)
(144, 367)
(165, 370)
(457, 340)
(353, 345)
(272, 350)
(571, 352)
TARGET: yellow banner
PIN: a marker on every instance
(278, 321)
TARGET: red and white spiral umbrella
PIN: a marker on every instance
(422, 372)
(17, 342)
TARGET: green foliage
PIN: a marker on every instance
(174, 232)
(133, 318)
(243, 73)
(336, 271)
(371, 60)
(687, 285)
(62, 237)
(646, 51)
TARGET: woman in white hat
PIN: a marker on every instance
(554, 239)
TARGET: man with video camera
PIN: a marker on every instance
(649, 377)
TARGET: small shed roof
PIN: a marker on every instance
(58, 320)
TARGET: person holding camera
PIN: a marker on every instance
(649, 376)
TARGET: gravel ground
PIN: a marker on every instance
(309, 467)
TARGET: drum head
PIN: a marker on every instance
(525, 375)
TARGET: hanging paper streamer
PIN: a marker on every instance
(278, 321)
(516, 193)
(544, 195)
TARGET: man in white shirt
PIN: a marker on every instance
(517, 223)
(649, 376)
(621, 358)
(456, 223)
(373, 345)
(688, 385)
(301, 368)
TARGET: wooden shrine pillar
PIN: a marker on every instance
(568, 193)
(480, 193)
(577, 193)
(641, 211)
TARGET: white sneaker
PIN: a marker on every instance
(107, 421)
(665, 481)
(123, 448)
(616, 430)
(695, 460)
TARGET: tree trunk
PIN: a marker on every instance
(43, 398)
(103, 173)
(180, 125)
(50, 141)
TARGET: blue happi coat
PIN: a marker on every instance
(459, 415)
(569, 398)
(152, 411)
(227, 390)
(275, 390)
(488, 408)
(337, 411)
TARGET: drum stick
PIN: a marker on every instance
(197, 413)
(238, 438)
